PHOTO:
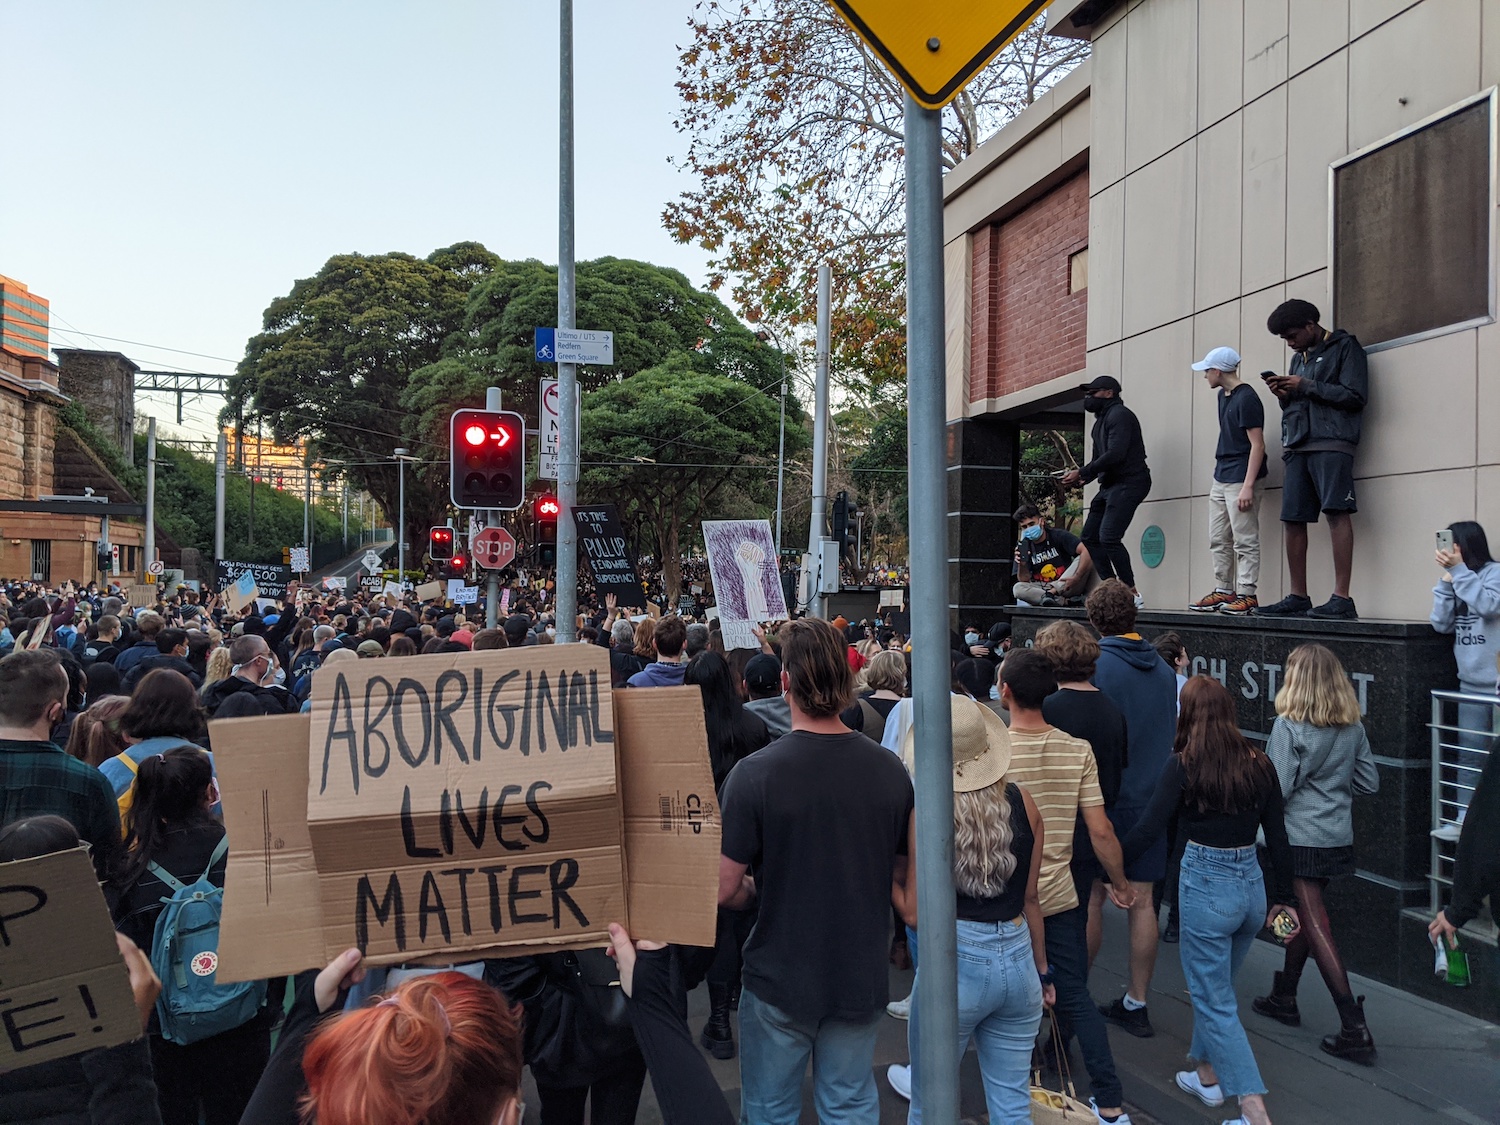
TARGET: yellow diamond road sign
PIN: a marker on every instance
(935, 46)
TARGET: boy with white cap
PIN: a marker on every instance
(1234, 497)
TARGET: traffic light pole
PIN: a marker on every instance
(492, 583)
(567, 373)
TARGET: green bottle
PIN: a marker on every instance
(1458, 965)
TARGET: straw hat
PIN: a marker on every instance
(981, 745)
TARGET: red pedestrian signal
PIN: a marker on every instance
(440, 543)
(487, 450)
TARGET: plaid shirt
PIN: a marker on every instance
(39, 779)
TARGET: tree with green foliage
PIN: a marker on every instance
(337, 353)
(671, 444)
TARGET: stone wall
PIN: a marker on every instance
(103, 383)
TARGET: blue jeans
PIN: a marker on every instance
(1222, 898)
(1068, 954)
(774, 1049)
(1000, 1006)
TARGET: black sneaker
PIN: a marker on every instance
(1136, 1022)
(1172, 934)
(1293, 605)
(1335, 609)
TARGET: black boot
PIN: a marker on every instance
(1281, 1005)
(718, 1035)
(1353, 1042)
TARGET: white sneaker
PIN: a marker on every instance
(899, 1009)
(1447, 831)
(900, 1079)
(1189, 1081)
(1123, 1119)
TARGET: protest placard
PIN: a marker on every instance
(530, 821)
(271, 577)
(464, 595)
(144, 594)
(428, 591)
(335, 582)
(747, 585)
(896, 598)
(63, 985)
(601, 540)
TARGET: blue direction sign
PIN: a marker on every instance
(575, 345)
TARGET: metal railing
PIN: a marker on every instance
(1465, 732)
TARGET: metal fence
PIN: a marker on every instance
(1465, 731)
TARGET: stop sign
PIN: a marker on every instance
(494, 548)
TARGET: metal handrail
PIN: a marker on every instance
(1454, 779)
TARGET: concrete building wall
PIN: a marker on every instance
(1214, 123)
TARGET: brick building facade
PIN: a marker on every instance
(103, 383)
(1029, 314)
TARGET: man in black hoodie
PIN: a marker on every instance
(246, 692)
(1119, 465)
(1322, 398)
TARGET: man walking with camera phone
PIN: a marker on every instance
(1322, 398)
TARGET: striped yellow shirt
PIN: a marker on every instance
(1060, 773)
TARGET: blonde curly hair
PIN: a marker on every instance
(982, 858)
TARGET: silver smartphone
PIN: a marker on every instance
(1445, 539)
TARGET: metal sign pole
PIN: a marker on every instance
(928, 506)
(492, 582)
(816, 531)
(567, 373)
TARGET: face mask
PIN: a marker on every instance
(1033, 533)
(277, 677)
(994, 691)
(971, 638)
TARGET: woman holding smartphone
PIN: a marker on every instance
(1223, 791)
(1466, 604)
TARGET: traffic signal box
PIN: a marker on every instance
(487, 450)
(456, 566)
(440, 543)
(544, 513)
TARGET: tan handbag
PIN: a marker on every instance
(1060, 1106)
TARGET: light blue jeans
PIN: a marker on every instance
(1000, 1008)
(1223, 901)
(774, 1051)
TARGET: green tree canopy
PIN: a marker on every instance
(672, 445)
(337, 353)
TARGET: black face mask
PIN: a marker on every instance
(1093, 405)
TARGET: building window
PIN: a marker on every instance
(1078, 271)
(41, 560)
(1411, 236)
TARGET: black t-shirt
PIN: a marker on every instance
(1239, 411)
(1093, 717)
(1010, 902)
(1046, 558)
(820, 818)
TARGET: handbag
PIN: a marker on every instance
(1060, 1106)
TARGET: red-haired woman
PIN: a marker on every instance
(1222, 791)
(446, 1049)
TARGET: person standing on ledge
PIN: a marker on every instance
(1119, 465)
(1322, 397)
(1234, 498)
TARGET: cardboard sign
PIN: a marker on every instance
(747, 584)
(464, 595)
(335, 582)
(601, 540)
(144, 594)
(268, 576)
(391, 590)
(429, 591)
(896, 598)
(466, 801)
(63, 986)
(637, 816)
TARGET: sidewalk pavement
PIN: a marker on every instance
(1435, 1066)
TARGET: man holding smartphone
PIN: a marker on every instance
(1322, 398)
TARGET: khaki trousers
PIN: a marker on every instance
(1234, 537)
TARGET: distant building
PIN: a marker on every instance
(24, 319)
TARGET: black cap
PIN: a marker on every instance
(763, 672)
(1103, 383)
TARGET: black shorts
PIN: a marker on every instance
(1321, 481)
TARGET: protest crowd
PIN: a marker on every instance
(1090, 773)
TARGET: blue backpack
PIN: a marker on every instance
(185, 955)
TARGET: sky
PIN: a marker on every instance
(173, 166)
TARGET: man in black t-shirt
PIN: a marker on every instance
(1051, 565)
(1234, 496)
(820, 815)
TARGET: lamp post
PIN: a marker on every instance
(781, 443)
(401, 456)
